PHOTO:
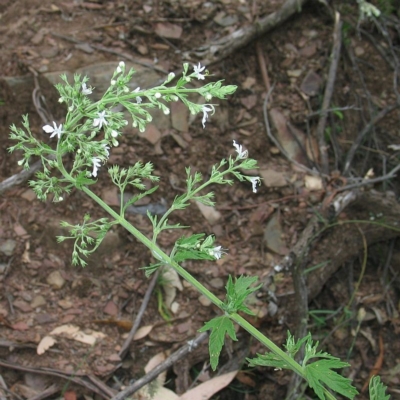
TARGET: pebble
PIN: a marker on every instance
(38, 301)
(204, 301)
(55, 280)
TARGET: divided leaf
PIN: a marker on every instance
(321, 372)
(219, 327)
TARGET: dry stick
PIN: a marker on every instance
(47, 371)
(335, 56)
(169, 362)
(139, 316)
(263, 68)
(356, 144)
(222, 48)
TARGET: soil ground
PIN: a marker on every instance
(39, 288)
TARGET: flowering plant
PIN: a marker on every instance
(88, 134)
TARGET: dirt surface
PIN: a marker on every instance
(40, 290)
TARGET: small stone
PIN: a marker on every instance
(217, 283)
(65, 304)
(38, 301)
(204, 301)
(7, 247)
(111, 309)
(22, 305)
(359, 51)
(55, 280)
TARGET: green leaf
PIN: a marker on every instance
(377, 390)
(268, 360)
(237, 292)
(219, 327)
(321, 372)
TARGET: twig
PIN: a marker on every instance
(20, 177)
(169, 362)
(357, 142)
(139, 316)
(365, 182)
(335, 56)
(46, 371)
(263, 67)
(111, 51)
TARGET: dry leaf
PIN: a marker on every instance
(67, 329)
(143, 332)
(45, 344)
(168, 30)
(207, 389)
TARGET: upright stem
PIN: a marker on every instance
(164, 258)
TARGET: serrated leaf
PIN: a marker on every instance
(267, 360)
(191, 254)
(237, 293)
(377, 390)
(321, 372)
(219, 327)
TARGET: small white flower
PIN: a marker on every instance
(171, 76)
(157, 95)
(96, 165)
(138, 99)
(101, 120)
(241, 153)
(254, 181)
(86, 90)
(166, 111)
(114, 134)
(206, 110)
(61, 100)
(197, 71)
(208, 96)
(113, 82)
(217, 252)
(119, 70)
(106, 149)
(54, 131)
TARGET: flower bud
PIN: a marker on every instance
(157, 95)
(149, 118)
(166, 111)
(113, 82)
(114, 134)
(20, 162)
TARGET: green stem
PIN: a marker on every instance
(292, 364)
(161, 256)
(155, 250)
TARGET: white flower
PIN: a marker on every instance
(101, 120)
(54, 131)
(106, 149)
(206, 110)
(138, 99)
(96, 165)
(241, 153)
(254, 181)
(217, 252)
(114, 134)
(157, 95)
(86, 90)
(197, 71)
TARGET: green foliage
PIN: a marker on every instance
(219, 327)
(377, 390)
(319, 374)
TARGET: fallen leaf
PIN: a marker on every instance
(70, 395)
(67, 329)
(143, 332)
(111, 308)
(172, 282)
(45, 344)
(20, 326)
(207, 389)
(19, 230)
